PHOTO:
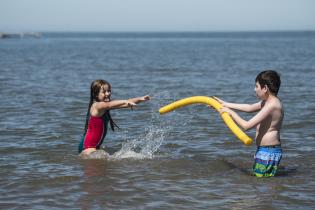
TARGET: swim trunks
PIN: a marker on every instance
(95, 134)
(267, 159)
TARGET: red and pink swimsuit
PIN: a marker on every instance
(96, 132)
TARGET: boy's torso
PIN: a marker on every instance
(268, 131)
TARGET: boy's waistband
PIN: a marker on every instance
(270, 146)
(274, 148)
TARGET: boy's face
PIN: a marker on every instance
(104, 94)
(260, 91)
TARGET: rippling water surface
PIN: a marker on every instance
(187, 159)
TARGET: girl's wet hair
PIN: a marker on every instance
(270, 78)
(96, 87)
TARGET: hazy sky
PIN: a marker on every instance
(156, 15)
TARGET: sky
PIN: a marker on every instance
(155, 15)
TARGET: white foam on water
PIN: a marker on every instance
(98, 154)
(142, 147)
(146, 145)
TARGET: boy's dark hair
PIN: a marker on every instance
(271, 79)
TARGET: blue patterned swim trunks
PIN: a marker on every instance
(267, 159)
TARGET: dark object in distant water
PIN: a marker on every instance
(19, 35)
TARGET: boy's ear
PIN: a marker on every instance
(265, 88)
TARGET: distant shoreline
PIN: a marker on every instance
(8, 35)
(157, 34)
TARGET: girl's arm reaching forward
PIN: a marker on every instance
(241, 107)
(139, 99)
(98, 109)
(115, 104)
(133, 101)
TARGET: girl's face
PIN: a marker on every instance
(105, 93)
(260, 91)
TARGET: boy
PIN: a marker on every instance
(268, 122)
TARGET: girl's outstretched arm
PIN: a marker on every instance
(99, 108)
(133, 101)
(241, 107)
(115, 104)
(140, 99)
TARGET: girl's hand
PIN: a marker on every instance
(145, 98)
(130, 104)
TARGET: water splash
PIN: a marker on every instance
(147, 144)
(143, 147)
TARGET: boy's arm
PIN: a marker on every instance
(258, 118)
(244, 107)
(241, 107)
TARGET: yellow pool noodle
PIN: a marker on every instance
(216, 105)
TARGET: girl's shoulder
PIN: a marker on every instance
(98, 108)
(99, 104)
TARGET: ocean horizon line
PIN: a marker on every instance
(182, 31)
(158, 31)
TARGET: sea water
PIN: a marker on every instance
(186, 159)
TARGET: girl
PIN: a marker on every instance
(98, 115)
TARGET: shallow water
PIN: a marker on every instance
(187, 159)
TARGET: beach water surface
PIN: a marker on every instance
(186, 159)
